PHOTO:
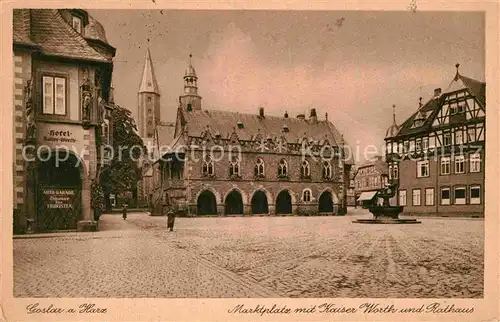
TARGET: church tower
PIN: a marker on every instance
(190, 100)
(148, 100)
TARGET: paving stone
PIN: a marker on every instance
(246, 257)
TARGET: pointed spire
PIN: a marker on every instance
(148, 82)
(393, 114)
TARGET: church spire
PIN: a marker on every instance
(148, 82)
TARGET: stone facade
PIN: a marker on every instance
(245, 173)
(59, 99)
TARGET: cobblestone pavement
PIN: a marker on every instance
(255, 257)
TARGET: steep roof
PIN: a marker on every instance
(53, 36)
(21, 27)
(433, 106)
(148, 80)
(94, 30)
(248, 126)
(165, 133)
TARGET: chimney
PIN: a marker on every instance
(261, 112)
(437, 92)
(301, 117)
(313, 117)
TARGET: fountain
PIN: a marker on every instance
(385, 213)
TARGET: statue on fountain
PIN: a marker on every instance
(385, 213)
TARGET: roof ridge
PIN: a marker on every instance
(74, 33)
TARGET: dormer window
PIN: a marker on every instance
(77, 24)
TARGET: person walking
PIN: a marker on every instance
(170, 219)
(124, 211)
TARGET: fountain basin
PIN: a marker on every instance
(386, 215)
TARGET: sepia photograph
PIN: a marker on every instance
(241, 154)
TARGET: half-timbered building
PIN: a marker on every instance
(437, 155)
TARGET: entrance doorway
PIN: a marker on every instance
(284, 203)
(259, 203)
(59, 192)
(325, 204)
(206, 203)
(234, 203)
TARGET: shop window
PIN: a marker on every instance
(445, 196)
(475, 195)
(459, 196)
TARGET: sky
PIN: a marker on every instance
(353, 65)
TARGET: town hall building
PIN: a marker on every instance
(231, 163)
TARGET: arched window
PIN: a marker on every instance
(282, 168)
(259, 168)
(306, 195)
(305, 170)
(208, 166)
(234, 167)
(327, 170)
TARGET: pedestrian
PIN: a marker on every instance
(124, 211)
(170, 219)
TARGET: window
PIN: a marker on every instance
(471, 134)
(432, 142)
(149, 111)
(475, 195)
(475, 162)
(425, 143)
(416, 197)
(234, 167)
(412, 146)
(402, 197)
(305, 170)
(149, 99)
(445, 165)
(445, 196)
(327, 170)
(459, 196)
(282, 168)
(418, 145)
(446, 139)
(390, 172)
(54, 95)
(459, 164)
(306, 195)
(429, 196)
(208, 166)
(406, 146)
(459, 139)
(189, 107)
(395, 171)
(259, 168)
(423, 168)
(77, 24)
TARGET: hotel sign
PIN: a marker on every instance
(56, 135)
